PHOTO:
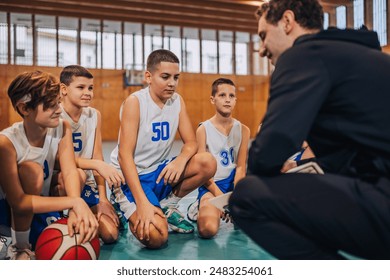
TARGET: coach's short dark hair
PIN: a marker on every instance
(308, 13)
(220, 81)
(158, 56)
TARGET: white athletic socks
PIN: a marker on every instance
(21, 239)
(171, 201)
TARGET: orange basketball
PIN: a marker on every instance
(54, 243)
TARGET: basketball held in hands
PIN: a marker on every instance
(54, 243)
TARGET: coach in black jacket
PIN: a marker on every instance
(332, 89)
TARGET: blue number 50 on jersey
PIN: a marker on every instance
(160, 131)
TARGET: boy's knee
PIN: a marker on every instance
(156, 238)
(108, 232)
(31, 177)
(208, 230)
(57, 187)
(208, 164)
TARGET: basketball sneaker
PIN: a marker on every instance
(176, 220)
(192, 211)
(14, 253)
(4, 242)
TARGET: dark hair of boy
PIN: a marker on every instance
(158, 56)
(34, 88)
(220, 81)
(70, 71)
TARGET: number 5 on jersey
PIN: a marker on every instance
(77, 141)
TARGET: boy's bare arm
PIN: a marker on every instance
(9, 178)
(127, 142)
(18, 200)
(104, 173)
(97, 163)
(187, 133)
(173, 171)
(83, 222)
(68, 163)
(242, 154)
(201, 139)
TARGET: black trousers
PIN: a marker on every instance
(309, 216)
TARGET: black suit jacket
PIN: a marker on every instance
(333, 90)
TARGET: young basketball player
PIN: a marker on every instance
(77, 94)
(28, 151)
(227, 140)
(155, 184)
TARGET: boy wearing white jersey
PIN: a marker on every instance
(77, 94)
(227, 140)
(155, 184)
(28, 151)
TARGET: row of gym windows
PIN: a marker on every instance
(42, 40)
(60, 41)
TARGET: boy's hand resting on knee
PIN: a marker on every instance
(146, 213)
(106, 208)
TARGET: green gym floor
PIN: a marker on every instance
(228, 244)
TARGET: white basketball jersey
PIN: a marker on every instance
(223, 148)
(83, 134)
(44, 156)
(156, 133)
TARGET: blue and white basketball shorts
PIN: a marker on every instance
(90, 194)
(125, 201)
(5, 218)
(225, 185)
(38, 224)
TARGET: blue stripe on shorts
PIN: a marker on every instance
(90, 195)
(153, 191)
(225, 185)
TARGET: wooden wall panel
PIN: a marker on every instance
(109, 110)
(4, 101)
(4, 115)
(252, 93)
(260, 100)
(386, 49)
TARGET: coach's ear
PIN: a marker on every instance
(288, 20)
(212, 100)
